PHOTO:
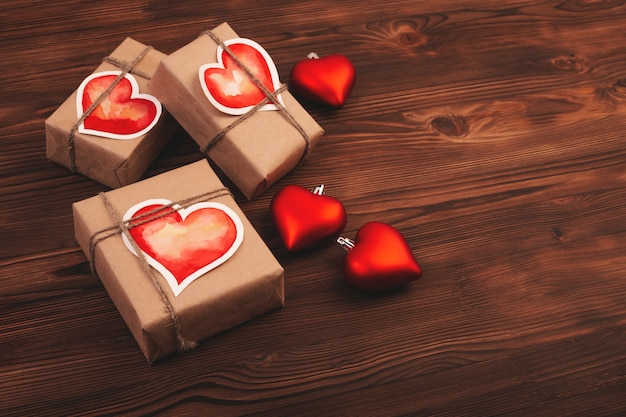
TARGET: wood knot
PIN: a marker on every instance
(411, 38)
(260, 360)
(614, 93)
(451, 125)
(573, 63)
(557, 234)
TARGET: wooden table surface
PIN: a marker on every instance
(491, 134)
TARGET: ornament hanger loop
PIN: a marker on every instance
(345, 243)
(319, 190)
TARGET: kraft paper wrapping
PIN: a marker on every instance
(248, 284)
(255, 153)
(111, 162)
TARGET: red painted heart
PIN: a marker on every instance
(379, 259)
(306, 219)
(184, 244)
(327, 81)
(229, 87)
(124, 113)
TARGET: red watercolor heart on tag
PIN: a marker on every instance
(228, 86)
(124, 113)
(183, 244)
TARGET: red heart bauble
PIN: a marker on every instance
(380, 259)
(306, 219)
(328, 80)
(183, 244)
(123, 114)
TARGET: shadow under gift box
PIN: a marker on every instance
(112, 162)
(256, 152)
(248, 284)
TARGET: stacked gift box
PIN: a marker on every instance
(176, 254)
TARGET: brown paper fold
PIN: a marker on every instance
(111, 162)
(256, 152)
(250, 283)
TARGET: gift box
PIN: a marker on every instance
(225, 92)
(178, 258)
(110, 129)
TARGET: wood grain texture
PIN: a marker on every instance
(490, 133)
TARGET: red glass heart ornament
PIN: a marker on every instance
(306, 219)
(183, 243)
(379, 259)
(327, 81)
(124, 113)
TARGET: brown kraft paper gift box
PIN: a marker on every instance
(252, 151)
(110, 161)
(244, 286)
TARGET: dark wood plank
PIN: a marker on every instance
(490, 133)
